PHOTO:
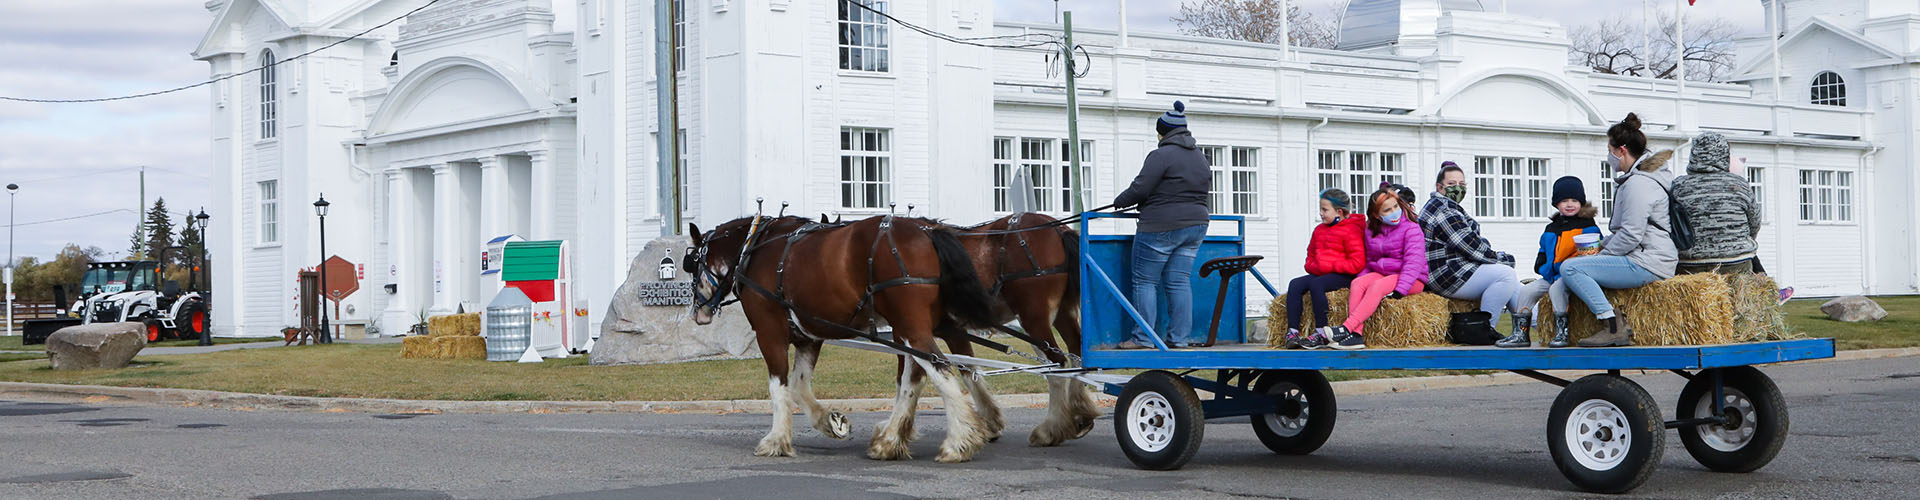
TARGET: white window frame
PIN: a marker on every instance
(1243, 181)
(1047, 165)
(268, 220)
(1037, 157)
(1757, 183)
(679, 36)
(1828, 89)
(1086, 176)
(1003, 162)
(1510, 187)
(1826, 197)
(1606, 190)
(1359, 173)
(686, 173)
(868, 49)
(269, 96)
(866, 189)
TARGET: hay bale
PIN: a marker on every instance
(416, 348)
(1693, 309)
(453, 325)
(1419, 320)
(1756, 309)
(460, 347)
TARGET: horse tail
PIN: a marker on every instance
(1070, 242)
(965, 299)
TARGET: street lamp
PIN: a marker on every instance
(193, 279)
(320, 208)
(11, 189)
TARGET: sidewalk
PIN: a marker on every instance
(196, 349)
(253, 402)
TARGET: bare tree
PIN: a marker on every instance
(1253, 21)
(1614, 46)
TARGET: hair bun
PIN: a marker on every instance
(1631, 120)
(1182, 107)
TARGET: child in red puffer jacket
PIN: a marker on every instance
(1336, 254)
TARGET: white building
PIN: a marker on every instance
(476, 118)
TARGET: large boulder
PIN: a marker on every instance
(96, 346)
(650, 320)
(1853, 309)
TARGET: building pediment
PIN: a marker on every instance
(219, 37)
(453, 90)
(1815, 28)
(1517, 95)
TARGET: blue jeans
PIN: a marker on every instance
(1585, 276)
(1166, 258)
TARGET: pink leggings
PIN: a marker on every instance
(1368, 290)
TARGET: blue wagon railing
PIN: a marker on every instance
(1605, 431)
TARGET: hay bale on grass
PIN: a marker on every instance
(460, 347)
(416, 348)
(1694, 309)
(454, 325)
(1419, 320)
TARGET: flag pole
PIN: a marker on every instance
(1773, 25)
(1679, 63)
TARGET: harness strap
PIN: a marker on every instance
(869, 334)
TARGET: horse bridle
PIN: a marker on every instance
(698, 258)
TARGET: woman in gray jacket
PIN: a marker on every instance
(1638, 250)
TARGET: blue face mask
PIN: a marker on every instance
(1392, 218)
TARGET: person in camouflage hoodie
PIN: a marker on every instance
(1721, 207)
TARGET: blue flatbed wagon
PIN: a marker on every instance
(1605, 432)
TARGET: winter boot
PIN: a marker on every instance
(1522, 335)
(1613, 333)
(1560, 333)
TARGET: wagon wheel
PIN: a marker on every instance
(1158, 421)
(1304, 411)
(1605, 433)
(1756, 415)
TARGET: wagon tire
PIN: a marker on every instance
(1159, 421)
(1303, 415)
(1605, 434)
(1757, 420)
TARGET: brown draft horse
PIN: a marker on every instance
(799, 285)
(1036, 280)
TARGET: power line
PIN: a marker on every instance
(256, 69)
(1055, 40)
(64, 219)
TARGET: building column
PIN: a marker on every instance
(494, 220)
(446, 213)
(543, 221)
(396, 317)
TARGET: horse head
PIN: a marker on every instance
(711, 261)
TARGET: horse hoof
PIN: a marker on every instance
(767, 449)
(895, 452)
(1042, 439)
(837, 427)
(952, 457)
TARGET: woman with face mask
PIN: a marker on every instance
(1638, 249)
(1464, 266)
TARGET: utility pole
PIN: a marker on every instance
(1074, 179)
(666, 142)
(140, 219)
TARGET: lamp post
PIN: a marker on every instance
(193, 279)
(320, 208)
(11, 188)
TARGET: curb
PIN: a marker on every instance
(254, 402)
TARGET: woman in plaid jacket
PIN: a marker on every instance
(1462, 265)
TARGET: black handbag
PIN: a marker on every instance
(1472, 328)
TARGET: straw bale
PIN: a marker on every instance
(454, 324)
(460, 347)
(416, 348)
(1693, 309)
(1419, 320)
(1756, 309)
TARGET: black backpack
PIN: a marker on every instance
(1679, 225)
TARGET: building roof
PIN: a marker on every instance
(1373, 23)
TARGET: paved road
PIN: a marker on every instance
(1853, 437)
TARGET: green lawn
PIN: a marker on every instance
(376, 371)
(1901, 328)
(12, 342)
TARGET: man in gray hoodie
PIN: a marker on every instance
(1171, 192)
(1721, 208)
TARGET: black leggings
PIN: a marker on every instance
(1756, 267)
(1319, 284)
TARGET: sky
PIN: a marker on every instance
(76, 160)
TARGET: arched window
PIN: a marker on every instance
(269, 97)
(395, 61)
(1828, 89)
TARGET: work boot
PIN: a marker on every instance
(1560, 332)
(1613, 333)
(1522, 335)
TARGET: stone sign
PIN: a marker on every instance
(665, 293)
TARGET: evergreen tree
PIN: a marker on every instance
(136, 245)
(159, 228)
